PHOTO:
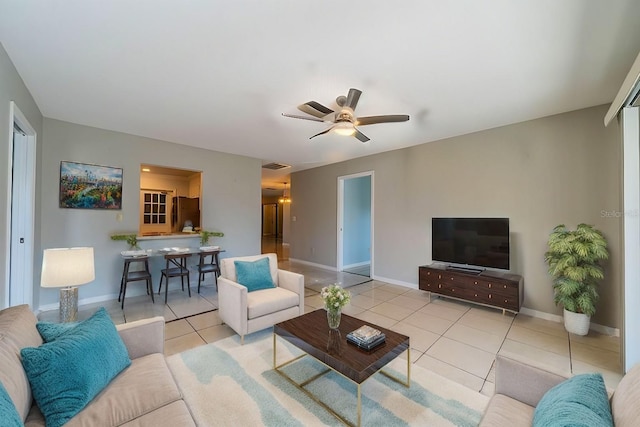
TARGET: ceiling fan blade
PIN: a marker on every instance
(352, 98)
(315, 109)
(322, 133)
(295, 116)
(361, 136)
(370, 120)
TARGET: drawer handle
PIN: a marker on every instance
(428, 273)
(475, 283)
(475, 295)
(453, 290)
(505, 286)
(439, 276)
(489, 296)
(439, 286)
(452, 278)
(489, 285)
(506, 300)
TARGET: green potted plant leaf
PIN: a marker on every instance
(573, 257)
(130, 238)
(205, 235)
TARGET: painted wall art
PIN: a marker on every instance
(86, 186)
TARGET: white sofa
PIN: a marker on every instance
(246, 312)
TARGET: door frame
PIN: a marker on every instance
(340, 217)
(25, 262)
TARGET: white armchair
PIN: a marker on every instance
(246, 312)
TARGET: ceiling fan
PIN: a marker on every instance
(344, 121)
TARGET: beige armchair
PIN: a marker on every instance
(246, 312)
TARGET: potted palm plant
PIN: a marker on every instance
(573, 257)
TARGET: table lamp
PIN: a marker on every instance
(67, 268)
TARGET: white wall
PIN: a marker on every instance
(540, 173)
(230, 197)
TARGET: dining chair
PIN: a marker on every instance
(135, 276)
(176, 266)
(208, 263)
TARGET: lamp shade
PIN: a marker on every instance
(63, 267)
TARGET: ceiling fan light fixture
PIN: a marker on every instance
(344, 128)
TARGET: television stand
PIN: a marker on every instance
(490, 288)
(467, 270)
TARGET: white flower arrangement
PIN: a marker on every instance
(334, 297)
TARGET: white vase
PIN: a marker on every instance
(576, 323)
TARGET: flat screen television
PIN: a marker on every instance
(471, 242)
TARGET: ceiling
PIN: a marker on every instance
(219, 74)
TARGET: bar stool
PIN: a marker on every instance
(208, 266)
(176, 267)
(135, 276)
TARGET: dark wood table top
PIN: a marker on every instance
(310, 333)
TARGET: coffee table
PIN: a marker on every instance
(310, 333)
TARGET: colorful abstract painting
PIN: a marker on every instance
(84, 186)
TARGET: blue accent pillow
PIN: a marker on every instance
(68, 372)
(50, 331)
(579, 401)
(254, 275)
(8, 413)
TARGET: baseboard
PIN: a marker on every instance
(357, 264)
(395, 282)
(313, 264)
(606, 330)
(81, 302)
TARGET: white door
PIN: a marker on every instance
(22, 213)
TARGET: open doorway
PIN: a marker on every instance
(355, 224)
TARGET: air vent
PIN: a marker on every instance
(275, 166)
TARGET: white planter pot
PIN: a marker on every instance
(576, 323)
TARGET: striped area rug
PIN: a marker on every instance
(228, 384)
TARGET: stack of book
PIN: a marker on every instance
(366, 337)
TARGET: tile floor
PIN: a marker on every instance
(455, 339)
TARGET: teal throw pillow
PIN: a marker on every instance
(254, 275)
(68, 372)
(50, 331)
(9, 416)
(579, 401)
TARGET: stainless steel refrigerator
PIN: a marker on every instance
(184, 209)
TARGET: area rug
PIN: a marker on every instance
(226, 383)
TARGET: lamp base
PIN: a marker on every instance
(68, 304)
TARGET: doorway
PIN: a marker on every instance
(20, 221)
(272, 229)
(355, 224)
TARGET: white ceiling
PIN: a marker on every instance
(218, 74)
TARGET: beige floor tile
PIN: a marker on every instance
(451, 372)
(365, 302)
(309, 309)
(532, 355)
(182, 343)
(491, 377)
(541, 325)
(594, 339)
(146, 309)
(492, 313)
(419, 339)
(411, 302)
(183, 306)
(611, 378)
(358, 289)
(488, 388)
(377, 319)
(314, 301)
(604, 359)
(379, 295)
(177, 328)
(392, 310)
(540, 340)
(352, 310)
(205, 320)
(427, 322)
(394, 289)
(451, 303)
(216, 333)
(483, 323)
(479, 339)
(442, 310)
(462, 356)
